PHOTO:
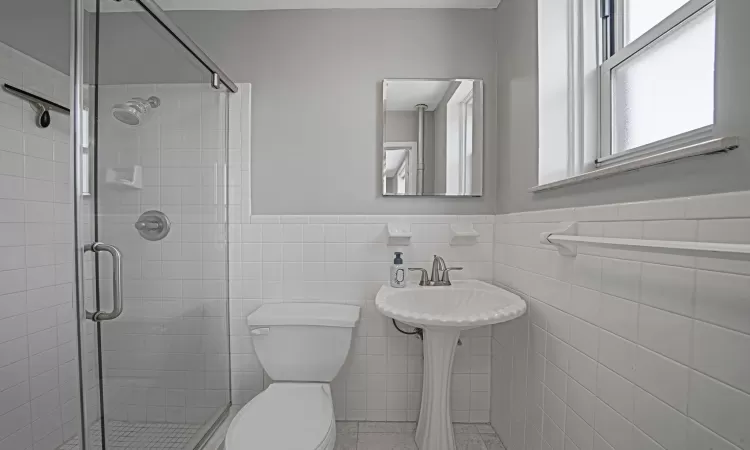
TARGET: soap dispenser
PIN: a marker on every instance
(398, 273)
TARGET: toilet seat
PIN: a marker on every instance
(286, 416)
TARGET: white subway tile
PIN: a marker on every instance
(587, 271)
(653, 209)
(664, 424)
(14, 397)
(584, 337)
(665, 333)
(334, 233)
(726, 231)
(596, 214)
(722, 354)
(670, 288)
(12, 258)
(585, 303)
(614, 428)
(723, 299)
(720, 408)
(643, 442)
(13, 374)
(12, 328)
(11, 164)
(13, 211)
(579, 432)
(12, 234)
(615, 391)
(662, 377)
(618, 316)
(700, 438)
(555, 379)
(617, 354)
(733, 204)
(621, 278)
(12, 281)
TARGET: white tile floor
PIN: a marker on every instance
(400, 436)
(350, 436)
(139, 436)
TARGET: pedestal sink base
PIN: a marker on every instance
(442, 312)
(435, 428)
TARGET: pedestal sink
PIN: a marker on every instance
(442, 312)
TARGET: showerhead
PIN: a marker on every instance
(135, 111)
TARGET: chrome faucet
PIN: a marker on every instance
(440, 273)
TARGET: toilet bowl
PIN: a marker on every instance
(302, 347)
(285, 416)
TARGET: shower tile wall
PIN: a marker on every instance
(625, 350)
(166, 357)
(345, 259)
(38, 390)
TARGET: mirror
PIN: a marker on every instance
(433, 137)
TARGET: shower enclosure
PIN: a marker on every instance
(150, 145)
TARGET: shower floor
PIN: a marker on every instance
(139, 436)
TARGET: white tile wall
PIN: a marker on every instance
(38, 367)
(625, 350)
(166, 358)
(345, 259)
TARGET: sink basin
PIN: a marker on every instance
(442, 312)
(464, 305)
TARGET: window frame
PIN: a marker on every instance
(464, 160)
(614, 53)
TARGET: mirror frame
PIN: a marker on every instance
(383, 141)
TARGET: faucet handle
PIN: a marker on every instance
(446, 277)
(424, 280)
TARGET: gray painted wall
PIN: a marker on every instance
(316, 76)
(517, 122)
(38, 28)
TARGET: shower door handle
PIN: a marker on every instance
(99, 316)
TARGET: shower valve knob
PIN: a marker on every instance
(147, 226)
(153, 225)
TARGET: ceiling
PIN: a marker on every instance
(254, 5)
(38, 28)
(405, 95)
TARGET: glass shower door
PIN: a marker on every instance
(156, 258)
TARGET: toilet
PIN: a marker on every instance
(302, 347)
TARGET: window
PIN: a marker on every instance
(623, 84)
(466, 124)
(657, 76)
(459, 140)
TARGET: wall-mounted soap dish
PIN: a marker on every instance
(463, 234)
(128, 178)
(399, 234)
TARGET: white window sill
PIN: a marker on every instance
(704, 148)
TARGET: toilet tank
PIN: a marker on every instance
(302, 341)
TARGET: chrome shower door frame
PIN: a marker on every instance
(87, 385)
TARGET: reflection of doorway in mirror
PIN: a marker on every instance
(443, 117)
(399, 168)
(459, 140)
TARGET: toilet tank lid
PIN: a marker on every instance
(309, 314)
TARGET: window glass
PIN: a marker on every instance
(667, 89)
(642, 15)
